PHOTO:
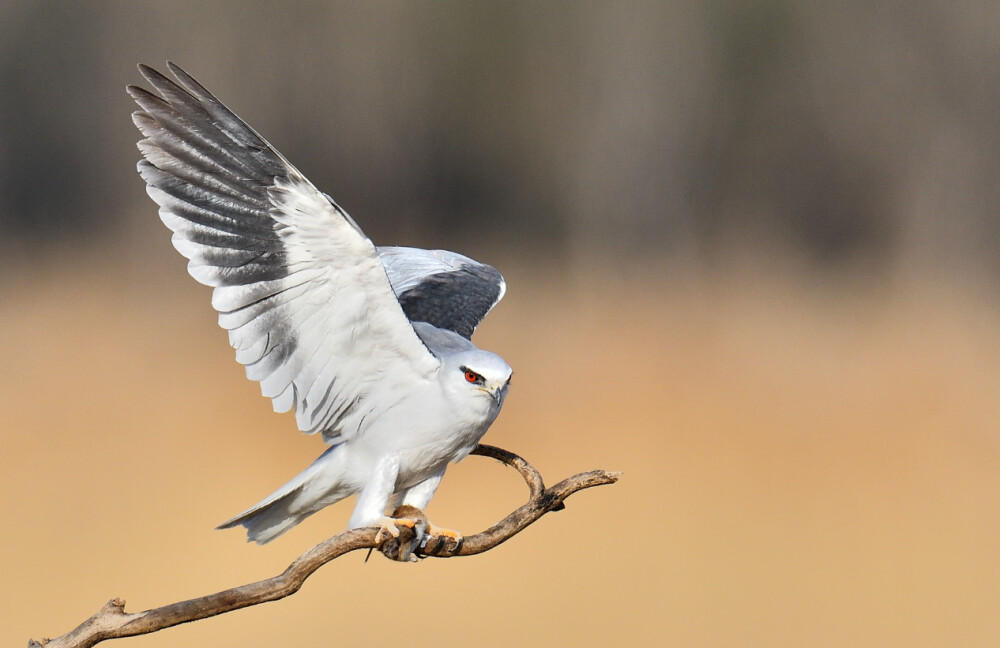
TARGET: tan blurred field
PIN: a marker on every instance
(806, 464)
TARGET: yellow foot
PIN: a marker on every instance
(438, 532)
(434, 540)
(388, 526)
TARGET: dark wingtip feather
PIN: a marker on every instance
(138, 93)
(147, 72)
(143, 122)
(160, 81)
(189, 83)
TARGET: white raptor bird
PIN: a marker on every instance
(369, 345)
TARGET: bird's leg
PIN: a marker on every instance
(417, 498)
(370, 509)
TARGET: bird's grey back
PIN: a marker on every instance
(442, 342)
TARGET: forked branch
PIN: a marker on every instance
(113, 622)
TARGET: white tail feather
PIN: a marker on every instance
(309, 491)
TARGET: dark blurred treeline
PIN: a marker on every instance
(841, 130)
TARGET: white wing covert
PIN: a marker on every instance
(300, 288)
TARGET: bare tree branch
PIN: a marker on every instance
(113, 622)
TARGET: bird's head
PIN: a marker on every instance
(480, 372)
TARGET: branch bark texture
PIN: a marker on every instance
(113, 622)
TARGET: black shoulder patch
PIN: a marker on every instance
(456, 301)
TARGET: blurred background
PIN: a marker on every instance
(752, 251)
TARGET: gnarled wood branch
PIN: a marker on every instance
(113, 622)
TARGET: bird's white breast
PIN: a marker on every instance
(426, 430)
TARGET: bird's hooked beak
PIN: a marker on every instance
(495, 390)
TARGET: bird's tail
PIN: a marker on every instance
(309, 491)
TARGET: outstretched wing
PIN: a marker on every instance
(297, 284)
(442, 288)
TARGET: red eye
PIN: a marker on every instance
(471, 376)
